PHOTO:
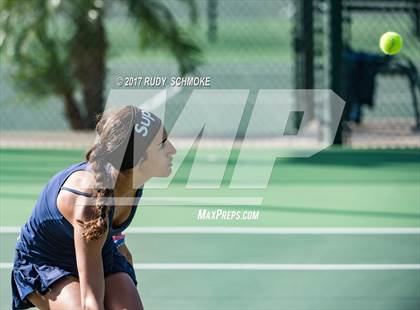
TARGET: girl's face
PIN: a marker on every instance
(159, 154)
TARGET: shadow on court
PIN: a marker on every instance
(358, 158)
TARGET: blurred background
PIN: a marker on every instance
(60, 60)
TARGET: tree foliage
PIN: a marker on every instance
(59, 47)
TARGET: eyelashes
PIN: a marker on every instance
(162, 144)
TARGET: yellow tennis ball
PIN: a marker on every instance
(391, 43)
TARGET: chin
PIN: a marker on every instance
(165, 174)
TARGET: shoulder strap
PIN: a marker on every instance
(75, 191)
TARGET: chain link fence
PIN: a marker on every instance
(385, 111)
(250, 45)
(244, 45)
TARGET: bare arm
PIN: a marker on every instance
(88, 253)
(90, 268)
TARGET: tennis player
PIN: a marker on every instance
(69, 254)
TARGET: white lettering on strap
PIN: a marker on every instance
(146, 119)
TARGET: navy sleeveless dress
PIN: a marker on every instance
(45, 249)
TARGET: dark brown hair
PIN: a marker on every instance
(123, 137)
(113, 130)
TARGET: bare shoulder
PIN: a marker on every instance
(76, 206)
(83, 181)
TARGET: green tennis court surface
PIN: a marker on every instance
(365, 254)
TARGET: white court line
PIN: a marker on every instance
(6, 265)
(259, 230)
(290, 267)
(273, 230)
(313, 267)
(190, 201)
(201, 201)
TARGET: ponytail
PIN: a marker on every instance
(123, 137)
(96, 228)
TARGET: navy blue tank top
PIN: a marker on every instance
(47, 237)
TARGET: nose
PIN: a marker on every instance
(172, 149)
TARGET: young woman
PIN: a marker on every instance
(66, 257)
